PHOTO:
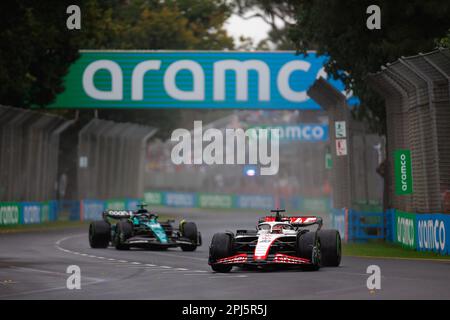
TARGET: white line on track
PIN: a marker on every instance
(137, 264)
(228, 276)
(26, 269)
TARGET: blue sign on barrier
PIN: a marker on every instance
(255, 202)
(431, 232)
(179, 199)
(92, 209)
(31, 212)
(338, 221)
(132, 204)
(365, 225)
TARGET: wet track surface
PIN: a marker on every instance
(33, 266)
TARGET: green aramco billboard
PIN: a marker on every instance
(193, 79)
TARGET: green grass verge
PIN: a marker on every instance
(389, 250)
(42, 226)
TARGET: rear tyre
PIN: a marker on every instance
(308, 247)
(190, 232)
(331, 248)
(99, 234)
(124, 231)
(221, 247)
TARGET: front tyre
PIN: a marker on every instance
(308, 247)
(331, 248)
(221, 247)
(99, 234)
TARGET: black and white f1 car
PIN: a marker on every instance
(277, 240)
(141, 228)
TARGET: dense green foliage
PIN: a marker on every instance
(36, 48)
(338, 28)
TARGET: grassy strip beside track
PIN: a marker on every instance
(379, 249)
(54, 225)
(42, 226)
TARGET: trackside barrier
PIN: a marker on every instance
(365, 225)
(12, 213)
(421, 232)
(338, 222)
(242, 201)
(432, 233)
(68, 210)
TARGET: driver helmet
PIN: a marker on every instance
(277, 228)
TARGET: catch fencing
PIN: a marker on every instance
(416, 90)
(29, 145)
(112, 159)
(356, 153)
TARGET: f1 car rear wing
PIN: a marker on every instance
(296, 221)
(117, 214)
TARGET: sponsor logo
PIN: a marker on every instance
(272, 80)
(403, 172)
(299, 132)
(180, 199)
(431, 234)
(405, 231)
(9, 214)
(31, 213)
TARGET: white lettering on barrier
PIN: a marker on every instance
(405, 231)
(256, 202)
(179, 199)
(431, 234)
(31, 214)
(9, 214)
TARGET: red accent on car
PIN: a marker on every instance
(284, 258)
(239, 258)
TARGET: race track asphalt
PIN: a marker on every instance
(33, 266)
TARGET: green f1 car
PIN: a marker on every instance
(124, 229)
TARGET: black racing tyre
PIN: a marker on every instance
(221, 247)
(331, 248)
(99, 234)
(305, 249)
(124, 231)
(190, 232)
